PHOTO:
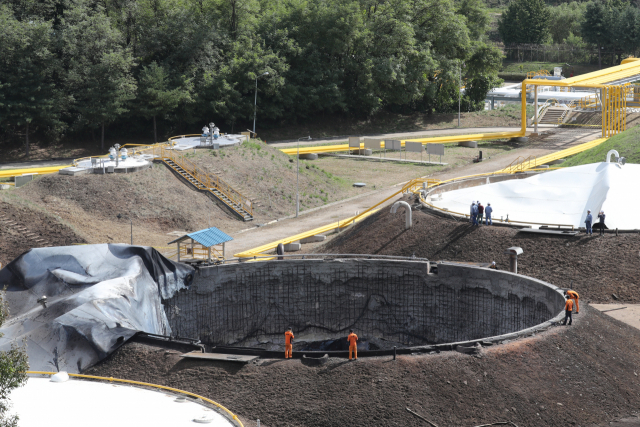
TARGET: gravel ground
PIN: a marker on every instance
(596, 267)
(583, 375)
(22, 229)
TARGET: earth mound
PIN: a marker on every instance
(597, 267)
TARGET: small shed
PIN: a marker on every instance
(207, 244)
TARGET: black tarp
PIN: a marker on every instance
(98, 296)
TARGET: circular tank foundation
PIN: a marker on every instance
(385, 301)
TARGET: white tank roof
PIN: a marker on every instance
(78, 403)
(559, 197)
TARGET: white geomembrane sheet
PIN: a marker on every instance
(559, 197)
(77, 403)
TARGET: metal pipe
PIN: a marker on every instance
(535, 106)
(255, 105)
(610, 153)
(408, 218)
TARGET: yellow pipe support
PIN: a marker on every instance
(111, 379)
(432, 140)
(270, 246)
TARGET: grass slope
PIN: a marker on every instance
(626, 143)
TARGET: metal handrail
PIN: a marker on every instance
(207, 179)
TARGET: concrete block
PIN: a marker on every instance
(309, 156)
(313, 239)
(5, 186)
(542, 167)
(73, 171)
(470, 144)
(23, 179)
(292, 247)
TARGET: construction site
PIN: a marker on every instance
(167, 274)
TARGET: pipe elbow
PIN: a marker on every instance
(409, 219)
(610, 153)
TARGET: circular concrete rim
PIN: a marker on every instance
(496, 339)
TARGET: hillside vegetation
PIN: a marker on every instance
(626, 143)
(156, 67)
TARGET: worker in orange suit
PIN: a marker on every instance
(353, 345)
(568, 309)
(575, 297)
(288, 344)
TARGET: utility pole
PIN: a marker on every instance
(255, 102)
(459, 90)
(298, 175)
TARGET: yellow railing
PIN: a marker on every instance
(520, 164)
(206, 179)
(589, 102)
(233, 416)
(532, 74)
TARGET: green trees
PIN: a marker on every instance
(13, 367)
(98, 68)
(525, 21)
(612, 25)
(28, 95)
(183, 62)
(566, 21)
(157, 97)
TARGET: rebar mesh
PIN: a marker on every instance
(247, 305)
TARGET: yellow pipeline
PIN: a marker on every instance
(270, 246)
(432, 140)
(554, 156)
(111, 379)
(4, 173)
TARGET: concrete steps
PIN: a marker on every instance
(551, 116)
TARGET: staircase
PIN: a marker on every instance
(552, 116)
(206, 182)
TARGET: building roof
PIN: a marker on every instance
(207, 237)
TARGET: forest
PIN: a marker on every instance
(78, 68)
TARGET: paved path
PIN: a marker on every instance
(538, 146)
(626, 313)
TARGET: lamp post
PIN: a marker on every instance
(255, 102)
(459, 90)
(308, 138)
(120, 216)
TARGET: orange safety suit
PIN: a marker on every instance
(575, 297)
(568, 306)
(353, 345)
(288, 347)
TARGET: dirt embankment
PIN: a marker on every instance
(568, 376)
(158, 202)
(596, 267)
(22, 229)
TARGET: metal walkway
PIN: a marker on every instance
(207, 182)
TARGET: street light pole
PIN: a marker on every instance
(255, 101)
(120, 216)
(459, 90)
(298, 175)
